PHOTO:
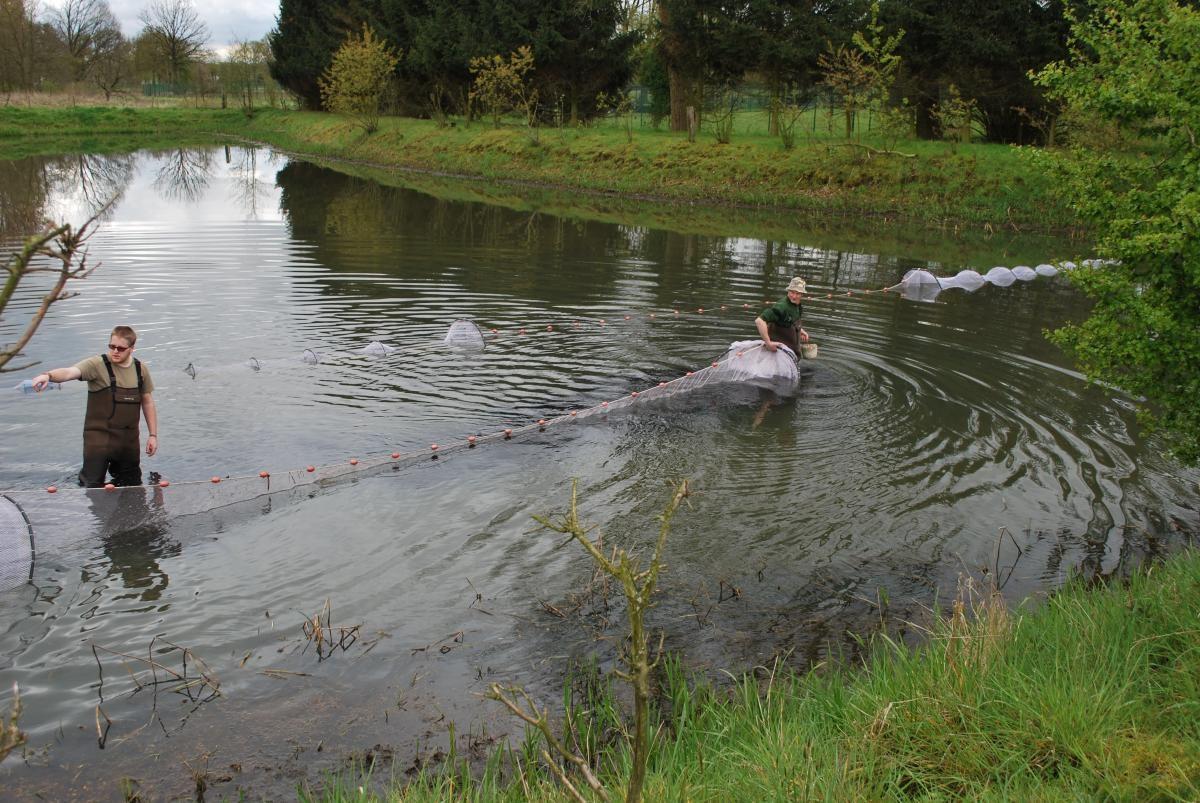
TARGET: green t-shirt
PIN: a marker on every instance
(782, 313)
(92, 371)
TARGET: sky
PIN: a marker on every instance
(228, 21)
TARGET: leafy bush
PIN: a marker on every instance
(501, 85)
(357, 80)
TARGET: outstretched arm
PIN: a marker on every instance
(764, 331)
(55, 375)
(151, 414)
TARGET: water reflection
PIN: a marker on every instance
(920, 431)
(249, 191)
(34, 192)
(134, 562)
(134, 536)
(184, 174)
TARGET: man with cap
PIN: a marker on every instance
(780, 322)
(119, 395)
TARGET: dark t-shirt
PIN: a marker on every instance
(782, 313)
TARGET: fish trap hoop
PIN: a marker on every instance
(465, 334)
(922, 285)
(16, 545)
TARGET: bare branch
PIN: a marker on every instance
(528, 712)
(63, 244)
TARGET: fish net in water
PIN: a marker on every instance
(745, 362)
(922, 285)
(114, 510)
(16, 545)
(465, 334)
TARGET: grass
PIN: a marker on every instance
(973, 187)
(1095, 695)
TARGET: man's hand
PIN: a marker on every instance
(151, 445)
(803, 336)
(41, 382)
(769, 346)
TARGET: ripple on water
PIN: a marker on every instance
(888, 470)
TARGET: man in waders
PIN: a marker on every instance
(119, 393)
(780, 322)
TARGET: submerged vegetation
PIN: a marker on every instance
(1093, 696)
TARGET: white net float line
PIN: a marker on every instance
(916, 285)
(922, 285)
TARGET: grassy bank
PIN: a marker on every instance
(971, 187)
(43, 131)
(1095, 695)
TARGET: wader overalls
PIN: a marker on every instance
(787, 335)
(111, 441)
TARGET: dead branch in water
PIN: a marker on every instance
(319, 629)
(194, 680)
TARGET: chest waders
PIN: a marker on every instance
(787, 335)
(111, 441)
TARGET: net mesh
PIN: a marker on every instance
(122, 509)
(377, 349)
(465, 334)
(16, 545)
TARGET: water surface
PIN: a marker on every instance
(923, 436)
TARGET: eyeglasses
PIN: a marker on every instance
(118, 349)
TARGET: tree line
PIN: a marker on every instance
(690, 53)
(81, 45)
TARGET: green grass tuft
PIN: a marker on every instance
(1095, 695)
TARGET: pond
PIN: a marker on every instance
(927, 442)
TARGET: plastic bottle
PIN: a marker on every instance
(26, 386)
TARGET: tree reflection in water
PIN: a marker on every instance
(27, 186)
(94, 179)
(248, 190)
(184, 174)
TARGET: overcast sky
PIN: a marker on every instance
(227, 20)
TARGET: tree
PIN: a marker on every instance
(579, 47)
(88, 28)
(1133, 65)
(246, 68)
(18, 44)
(987, 48)
(306, 35)
(112, 61)
(358, 78)
(864, 71)
(176, 32)
(790, 37)
(580, 52)
(63, 244)
(500, 84)
(702, 42)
